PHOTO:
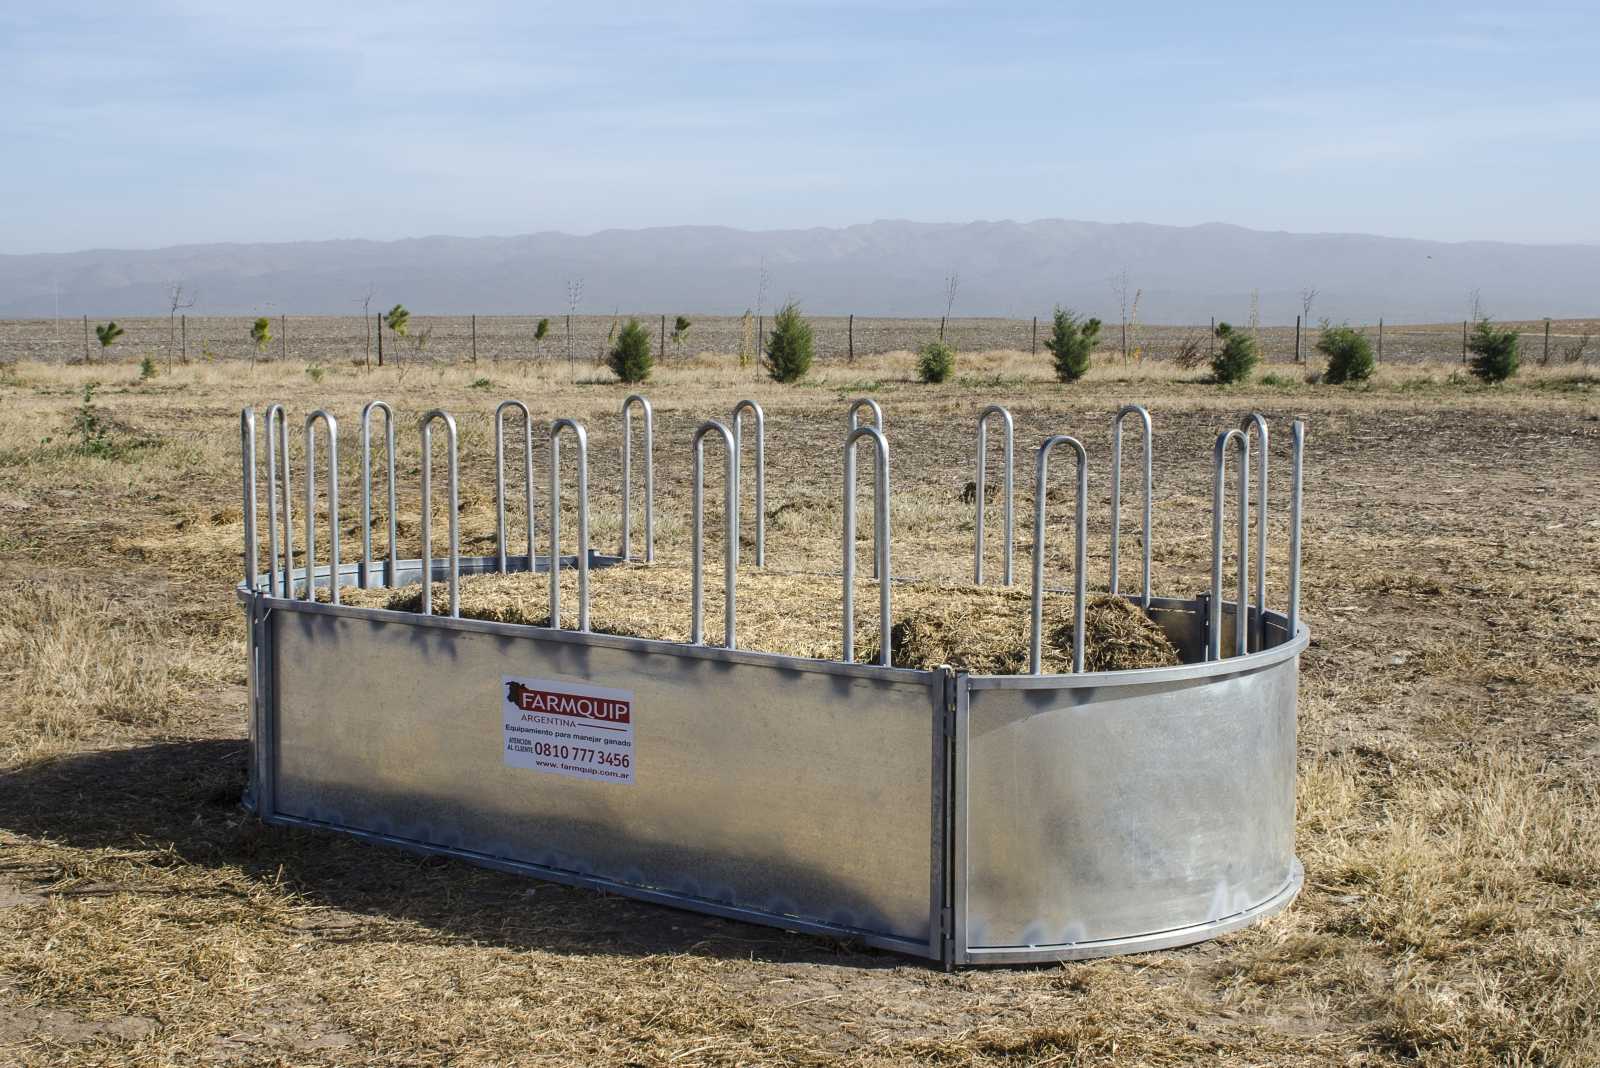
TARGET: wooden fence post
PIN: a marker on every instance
(1033, 347)
(1546, 343)
(1380, 339)
(852, 339)
(184, 326)
(1297, 339)
(941, 328)
(283, 337)
(1213, 342)
(1463, 341)
(380, 339)
(663, 337)
(85, 339)
(474, 340)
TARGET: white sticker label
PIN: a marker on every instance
(568, 728)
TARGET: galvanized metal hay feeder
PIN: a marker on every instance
(968, 819)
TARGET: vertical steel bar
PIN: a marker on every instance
(365, 575)
(500, 477)
(1116, 496)
(278, 452)
(877, 413)
(761, 472)
(1298, 442)
(453, 475)
(582, 437)
(881, 541)
(649, 478)
(247, 451)
(1219, 465)
(1007, 487)
(1080, 554)
(730, 530)
(332, 426)
(1258, 422)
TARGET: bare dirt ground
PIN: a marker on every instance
(1449, 736)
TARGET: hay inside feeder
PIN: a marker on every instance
(981, 629)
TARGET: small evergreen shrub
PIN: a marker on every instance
(789, 345)
(1070, 343)
(936, 362)
(1349, 354)
(1236, 358)
(630, 353)
(1495, 352)
(147, 369)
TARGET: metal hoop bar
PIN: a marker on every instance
(247, 455)
(649, 477)
(730, 529)
(500, 477)
(880, 540)
(877, 413)
(737, 419)
(426, 426)
(1116, 494)
(279, 443)
(1010, 501)
(865, 402)
(1242, 610)
(1258, 422)
(332, 427)
(1297, 437)
(1080, 547)
(393, 564)
(555, 522)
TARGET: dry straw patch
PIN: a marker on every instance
(982, 629)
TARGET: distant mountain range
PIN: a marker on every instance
(890, 268)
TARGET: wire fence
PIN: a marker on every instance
(584, 339)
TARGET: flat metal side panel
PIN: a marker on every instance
(1108, 813)
(798, 794)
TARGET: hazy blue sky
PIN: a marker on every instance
(144, 124)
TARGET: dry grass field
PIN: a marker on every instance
(1449, 741)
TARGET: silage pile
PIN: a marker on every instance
(981, 629)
